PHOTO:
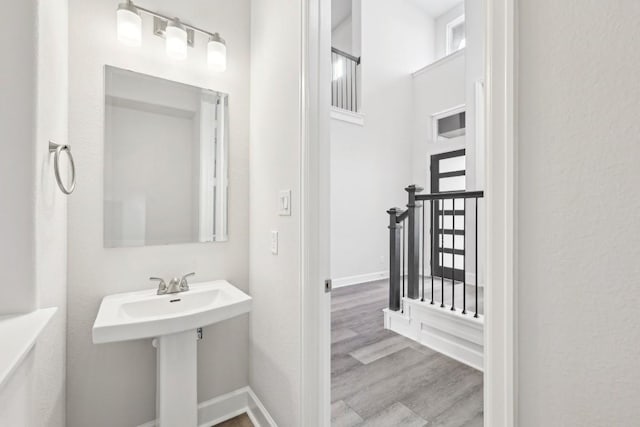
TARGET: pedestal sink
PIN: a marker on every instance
(173, 320)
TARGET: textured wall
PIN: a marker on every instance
(275, 165)
(579, 234)
(34, 102)
(114, 384)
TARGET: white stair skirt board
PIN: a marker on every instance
(359, 279)
(227, 406)
(459, 336)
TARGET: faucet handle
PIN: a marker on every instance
(162, 285)
(184, 285)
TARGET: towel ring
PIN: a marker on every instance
(57, 149)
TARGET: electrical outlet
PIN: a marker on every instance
(274, 242)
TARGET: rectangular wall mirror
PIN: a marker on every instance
(165, 161)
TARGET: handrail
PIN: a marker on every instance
(355, 59)
(423, 221)
(451, 195)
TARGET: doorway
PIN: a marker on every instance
(500, 135)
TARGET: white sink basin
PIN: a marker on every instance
(172, 319)
(143, 314)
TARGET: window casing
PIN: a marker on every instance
(456, 38)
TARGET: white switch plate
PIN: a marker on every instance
(274, 242)
(284, 203)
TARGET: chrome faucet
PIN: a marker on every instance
(175, 285)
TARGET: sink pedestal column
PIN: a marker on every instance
(177, 380)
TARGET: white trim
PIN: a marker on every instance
(500, 385)
(459, 336)
(18, 335)
(449, 33)
(434, 125)
(347, 116)
(359, 279)
(227, 406)
(315, 304)
(439, 62)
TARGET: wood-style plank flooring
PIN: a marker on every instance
(382, 379)
(239, 421)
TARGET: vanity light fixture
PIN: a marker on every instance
(176, 40)
(129, 24)
(178, 35)
(217, 53)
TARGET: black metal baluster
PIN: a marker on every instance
(464, 259)
(476, 255)
(453, 255)
(424, 226)
(441, 230)
(432, 242)
(404, 239)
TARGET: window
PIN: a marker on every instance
(449, 124)
(456, 38)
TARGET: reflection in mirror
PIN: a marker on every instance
(165, 163)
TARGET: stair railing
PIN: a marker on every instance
(345, 80)
(408, 233)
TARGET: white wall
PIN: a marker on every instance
(275, 160)
(35, 104)
(437, 88)
(342, 36)
(114, 384)
(371, 165)
(579, 235)
(17, 175)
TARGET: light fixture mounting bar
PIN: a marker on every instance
(160, 26)
(168, 18)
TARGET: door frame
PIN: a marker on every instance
(500, 384)
(434, 175)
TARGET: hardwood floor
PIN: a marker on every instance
(239, 421)
(382, 379)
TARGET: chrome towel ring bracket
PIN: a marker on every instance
(57, 149)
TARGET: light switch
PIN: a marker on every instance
(284, 203)
(274, 242)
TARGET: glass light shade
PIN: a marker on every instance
(217, 54)
(129, 25)
(176, 40)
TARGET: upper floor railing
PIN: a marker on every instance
(433, 250)
(345, 80)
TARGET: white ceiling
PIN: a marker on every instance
(435, 8)
(340, 9)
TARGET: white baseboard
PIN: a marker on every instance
(227, 406)
(456, 335)
(359, 279)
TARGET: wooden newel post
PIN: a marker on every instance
(394, 259)
(413, 244)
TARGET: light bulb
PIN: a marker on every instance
(217, 53)
(129, 24)
(338, 69)
(176, 44)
